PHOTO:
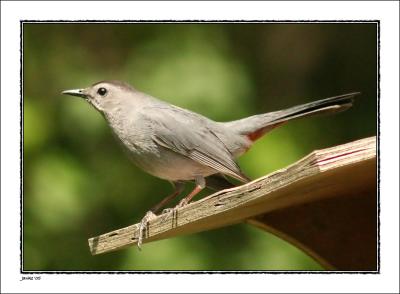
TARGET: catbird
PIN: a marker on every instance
(179, 145)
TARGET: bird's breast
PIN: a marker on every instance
(169, 165)
(153, 158)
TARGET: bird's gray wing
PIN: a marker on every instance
(190, 135)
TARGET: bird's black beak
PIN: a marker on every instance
(75, 92)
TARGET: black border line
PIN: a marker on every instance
(187, 21)
(69, 272)
(21, 149)
(378, 144)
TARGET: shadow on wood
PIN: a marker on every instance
(325, 204)
(339, 231)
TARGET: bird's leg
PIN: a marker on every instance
(200, 185)
(151, 214)
(178, 188)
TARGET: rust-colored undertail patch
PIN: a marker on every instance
(260, 132)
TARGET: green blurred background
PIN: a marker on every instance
(78, 183)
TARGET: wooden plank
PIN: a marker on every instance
(339, 232)
(322, 174)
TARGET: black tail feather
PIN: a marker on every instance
(257, 125)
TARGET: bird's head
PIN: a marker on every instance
(105, 96)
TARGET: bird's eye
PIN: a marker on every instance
(102, 91)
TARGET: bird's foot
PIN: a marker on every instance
(182, 203)
(167, 210)
(166, 213)
(143, 225)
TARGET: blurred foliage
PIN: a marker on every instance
(78, 183)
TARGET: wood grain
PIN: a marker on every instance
(335, 172)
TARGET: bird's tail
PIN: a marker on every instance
(256, 126)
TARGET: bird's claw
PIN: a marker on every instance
(182, 203)
(167, 210)
(172, 211)
(150, 215)
(143, 224)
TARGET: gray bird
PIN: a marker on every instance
(179, 145)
